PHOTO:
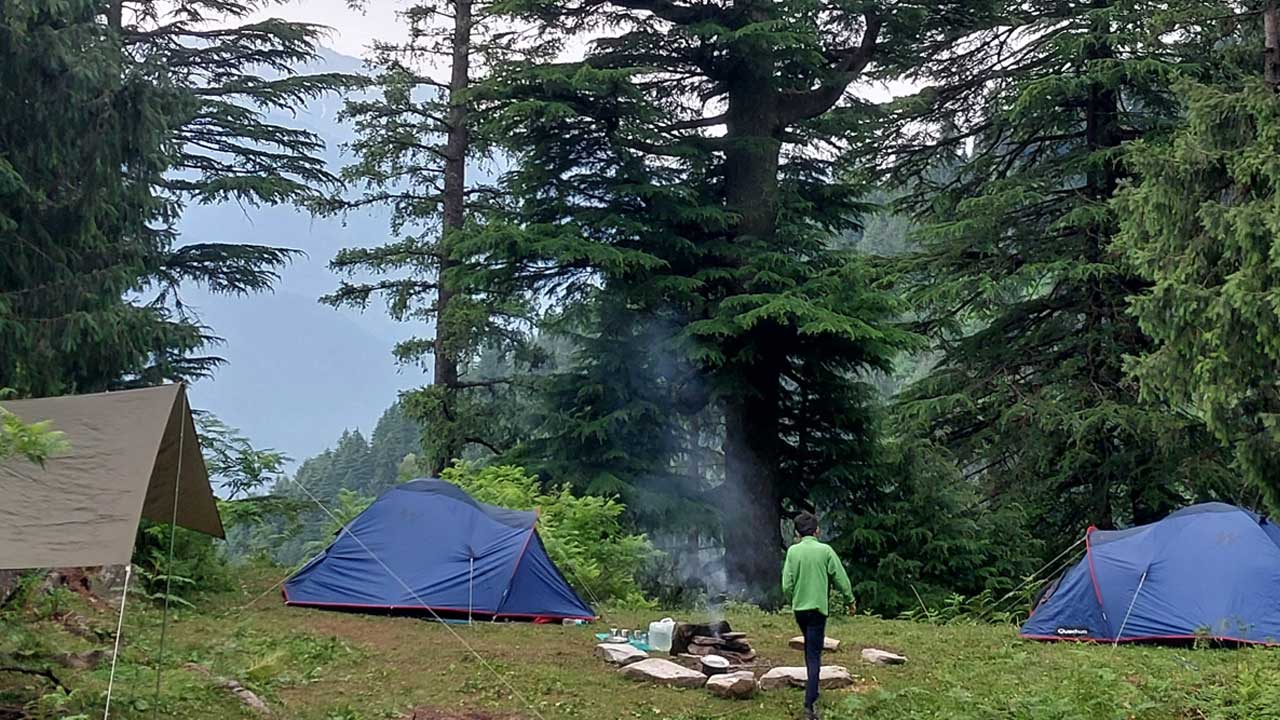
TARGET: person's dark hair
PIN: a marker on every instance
(806, 524)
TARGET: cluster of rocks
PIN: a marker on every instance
(739, 683)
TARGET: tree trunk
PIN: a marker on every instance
(454, 217)
(752, 509)
(1271, 57)
(115, 15)
(752, 501)
(1105, 306)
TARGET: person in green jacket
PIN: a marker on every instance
(807, 576)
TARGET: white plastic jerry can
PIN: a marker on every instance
(660, 633)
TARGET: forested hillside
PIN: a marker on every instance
(348, 474)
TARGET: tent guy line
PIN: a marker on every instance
(456, 635)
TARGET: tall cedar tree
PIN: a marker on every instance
(416, 143)
(608, 419)
(683, 166)
(115, 115)
(1019, 281)
(1200, 224)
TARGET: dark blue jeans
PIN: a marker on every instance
(813, 625)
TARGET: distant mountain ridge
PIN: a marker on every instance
(299, 373)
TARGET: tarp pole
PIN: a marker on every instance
(115, 653)
(471, 589)
(173, 536)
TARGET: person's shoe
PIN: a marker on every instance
(810, 714)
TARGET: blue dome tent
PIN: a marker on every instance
(427, 545)
(1207, 571)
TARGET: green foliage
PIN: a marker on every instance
(349, 504)
(1009, 609)
(708, 231)
(1017, 279)
(110, 124)
(1199, 223)
(35, 442)
(198, 564)
(233, 462)
(291, 528)
(418, 144)
(916, 533)
(583, 534)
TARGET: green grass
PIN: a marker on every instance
(318, 665)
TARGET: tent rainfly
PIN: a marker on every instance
(132, 454)
(427, 545)
(1208, 571)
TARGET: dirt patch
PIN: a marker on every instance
(426, 713)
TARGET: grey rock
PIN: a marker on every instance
(882, 657)
(620, 653)
(831, 677)
(735, 686)
(828, 644)
(664, 672)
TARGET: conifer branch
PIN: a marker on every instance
(848, 65)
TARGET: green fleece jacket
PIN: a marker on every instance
(807, 575)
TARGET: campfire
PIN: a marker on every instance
(698, 641)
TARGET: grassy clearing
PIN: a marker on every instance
(318, 665)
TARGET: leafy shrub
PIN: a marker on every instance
(914, 532)
(583, 535)
(34, 441)
(198, 566)
(984, 608)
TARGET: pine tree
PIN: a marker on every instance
(607, 422)
(115, 115)
(1019, 281)
(395, 437)
(1199, 224)
(683, 167)
(417, 141)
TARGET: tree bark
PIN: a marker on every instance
(752, 498)
(115, 15)
(752, 512)
(1271, 58)
(454, 217)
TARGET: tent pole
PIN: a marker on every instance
(471, 589)
(173, 536)
(115, 653)
(1132, 602)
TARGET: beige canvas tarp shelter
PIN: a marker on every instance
(129, 454)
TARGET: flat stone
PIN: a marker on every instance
(736, 686)
(86, 660)
(831, 677)
(881, 657)
(620, 653)
(664, 672)
(828, 644)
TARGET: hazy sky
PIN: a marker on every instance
(353, 30)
